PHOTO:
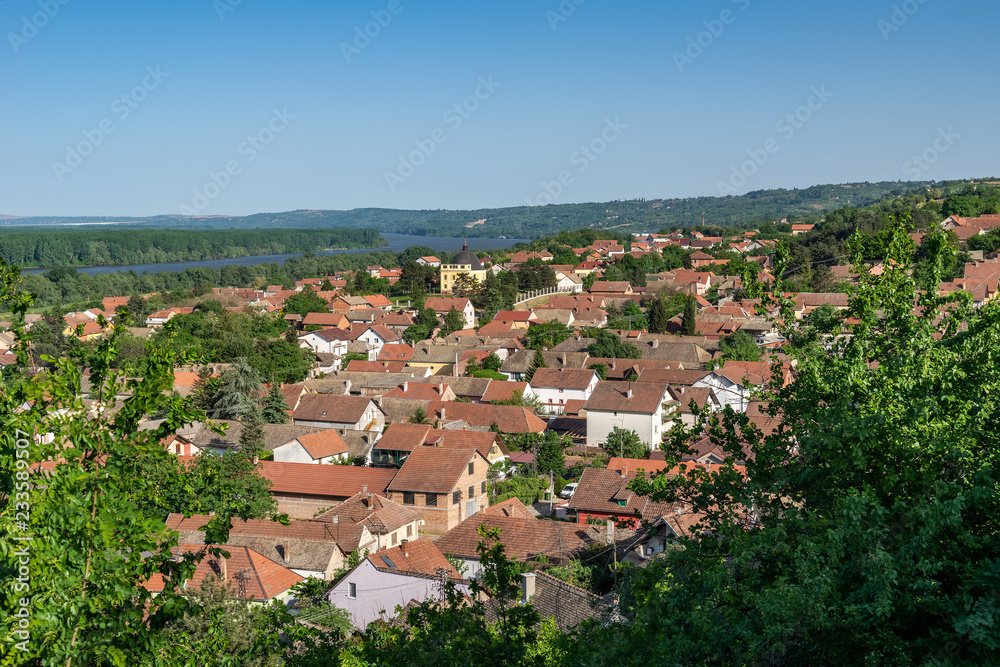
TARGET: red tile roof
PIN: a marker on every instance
(331, 408)
(376, 366)
(418, 557)
(502, 391)
(324, 480)
(264, 579)
(434, 469)
(563, 378)
(324, 443)
(509, 419)
(638, 397)
(523, 537)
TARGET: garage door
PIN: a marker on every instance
(470, 508)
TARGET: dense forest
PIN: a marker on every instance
(534, 222)
(110, 247)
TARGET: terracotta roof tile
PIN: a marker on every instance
(418, 557)
(563, 378)
(322, 444)
(434, 469)
(523, 537)
(324, 480)
(639, 397)
(264, 578)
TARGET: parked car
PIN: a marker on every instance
(568, 491)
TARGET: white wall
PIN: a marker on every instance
(292, 452)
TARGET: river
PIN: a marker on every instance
(397, 243)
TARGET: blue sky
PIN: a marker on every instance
(242, 107)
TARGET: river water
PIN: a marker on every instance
(397, 243)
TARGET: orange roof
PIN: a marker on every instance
(419, 556)
(263, 578)
(323, 443)
(324, 480)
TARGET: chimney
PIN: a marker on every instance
(629, 392)
(402, 546)
(442, 413)
(613, 364)
(656, 343)
(611, 531)
(364, 490)
(624, 471)
(527, 587)
(562, 359)
(286, 551)
(222, 567)
(406, 385)
(441, 388)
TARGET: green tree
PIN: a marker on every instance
(453, 321)
(688, 327)
(492, 362)
(305, 302)
(239, 391)
(416, 333)
(91, 546)
(419, 416)
(608, 345)
(252, 436)
(275, 406)
(601, 369)
(659, 320)
(537, 361)
(551, 454)
(545, 335)
(881, 469)
(627, 444)
(739, 346)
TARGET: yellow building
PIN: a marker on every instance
(464, 262)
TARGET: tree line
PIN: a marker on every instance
(111, 247)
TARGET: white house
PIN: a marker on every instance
(374, 337)
(553, 387)
(643, 407)
(352, 413)
(569, 282)
(441, 305)
(326, 341)
(322, 447)
(736, 382)
(392, 578)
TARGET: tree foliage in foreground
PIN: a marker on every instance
(865, 531)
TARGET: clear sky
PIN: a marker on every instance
(668, 99)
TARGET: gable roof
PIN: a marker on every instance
(323, 480)
(523, 537)
(639, 397)
(600, 490)
(263, 577)
(331, 408)
(324, 319)
(417, 557)
(503, 391)
(568, 605)
(508, 418)
(376, 513)
(323, 443)
(434, 469)
(563, 378)
(442, 304)
(408, 437)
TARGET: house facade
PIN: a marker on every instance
(643, 407)
(446, 485)
(554, 387)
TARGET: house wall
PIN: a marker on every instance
(292, 452)
(379, 593)
(439, 520)
(304, 506)
(554, 398)
(728, 392)
(600, 424)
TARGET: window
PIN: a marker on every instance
(472, 491)
(352, 590)
(472, 468)
(621, 503)
(395, 538)
(431, 500)
(483, 487)
(456, 497)
(407, 497)
(409, 530)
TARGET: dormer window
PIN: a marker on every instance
(622, 503)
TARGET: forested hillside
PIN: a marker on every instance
(538, 221)
(109, 247)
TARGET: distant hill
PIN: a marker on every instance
(808, 204)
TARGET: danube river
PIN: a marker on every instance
(397, 243)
